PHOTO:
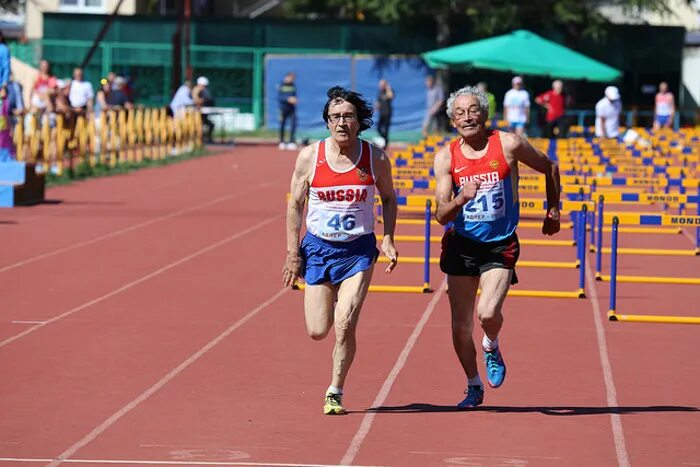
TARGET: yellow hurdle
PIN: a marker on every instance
(661, 319)
(522, 263)
(525, 241)
(653, 279)
(522, 224)
(651, 251)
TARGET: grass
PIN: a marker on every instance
(83, 171)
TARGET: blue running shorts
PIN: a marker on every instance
(333, 262)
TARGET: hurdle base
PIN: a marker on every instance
(425, 288)
(659, 319)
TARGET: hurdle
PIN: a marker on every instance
(612, 311)
(579, 264)
(678, 221)
(425, 288)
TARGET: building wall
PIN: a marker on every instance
(691, 73)
(34, 27)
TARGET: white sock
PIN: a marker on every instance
(489, 344)
(334, 390)
(475, 381)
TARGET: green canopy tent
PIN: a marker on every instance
(522, 52)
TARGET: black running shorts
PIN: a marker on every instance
(462, 256)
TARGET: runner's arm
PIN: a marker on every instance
(295, 210)
(446, 207)
(521, 150)
(385, 185)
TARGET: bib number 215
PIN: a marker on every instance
(347, 222)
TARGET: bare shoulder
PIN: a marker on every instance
(305, 161)
(513, 144)
(442, 161)
(379, 156)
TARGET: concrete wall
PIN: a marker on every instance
(691, 73)
(34, 28)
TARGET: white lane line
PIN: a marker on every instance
(27, 322)
(615, 419)
(164, 462)
(368, 419)
(138, 281)
(163, 381)
(131, 228)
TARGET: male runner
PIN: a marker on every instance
(477, 190)
(337, 255)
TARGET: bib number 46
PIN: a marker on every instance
(347, 222)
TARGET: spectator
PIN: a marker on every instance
(116, 98)
(44, 89)
(61, 101)
(101, 104)
(202, 98)
(554, 101)
(516, 106)
(15, 98)
(7, 152)
(5, 62)
(435, 98)
(664, 108)
(607, 114)
(483, 87)
(182, 99)
(287, 102)
(81, 94)
(385, 98)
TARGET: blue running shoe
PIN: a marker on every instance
(475, 397)
(495, 367)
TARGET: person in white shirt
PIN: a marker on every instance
(516, 106)
(607, 114)
(81, 93)
(182, 99)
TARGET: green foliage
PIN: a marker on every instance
(11, 6)
(579, 18)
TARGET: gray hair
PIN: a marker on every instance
(468, 91)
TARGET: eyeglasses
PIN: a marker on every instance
(462, 113)
(335, 118)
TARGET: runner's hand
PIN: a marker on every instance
(551, 224)
(467, 192)
(292, 269)
(390, 252)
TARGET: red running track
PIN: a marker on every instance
(143, 323)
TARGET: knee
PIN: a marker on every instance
(462, 328)
(318, 334)
(489, 316)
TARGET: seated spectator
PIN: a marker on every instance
(182, 99)
(117, 98)
(203, 98)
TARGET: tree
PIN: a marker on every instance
(578, 18)
(11, 6)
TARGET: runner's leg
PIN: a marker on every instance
(462, 293)
(318, 309)
(351, 295)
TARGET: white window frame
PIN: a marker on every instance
(82, 7)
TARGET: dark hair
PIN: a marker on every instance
(362, 108)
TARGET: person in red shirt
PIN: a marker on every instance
(555, 103)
